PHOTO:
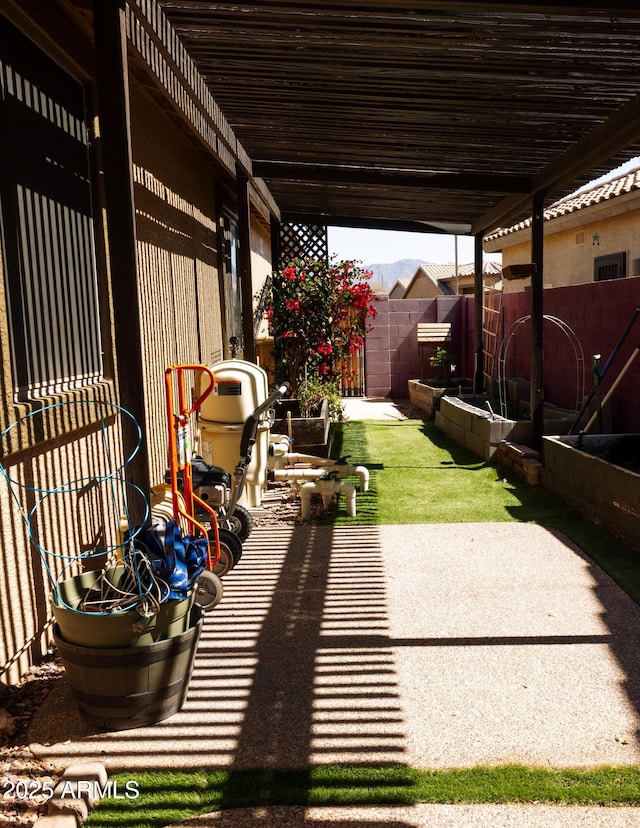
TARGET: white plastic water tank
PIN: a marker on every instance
(241, 387)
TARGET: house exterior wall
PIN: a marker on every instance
(260, 268)
(421, 288)
(178, 195)
(572, 242)
(177, 238)
(398, 290)
(43, 448)
(424, 288)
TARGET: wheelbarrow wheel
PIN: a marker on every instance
(209, 590)
(230, 551)
(239, 522)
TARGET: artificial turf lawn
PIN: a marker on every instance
(169, 797)
(418, 476)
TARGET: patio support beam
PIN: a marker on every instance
(112, 84)
(244, 264)
(512, 6)
(381, 176)
(519, 6)
(478, 295)
(332, 220)
(536, 391)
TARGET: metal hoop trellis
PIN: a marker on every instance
(577, 351)
(107, 489)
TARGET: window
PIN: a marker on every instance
(46, 223)
(613, 266)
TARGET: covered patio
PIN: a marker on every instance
(437, 117)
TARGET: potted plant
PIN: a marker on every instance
(426, 394)
(444, 362)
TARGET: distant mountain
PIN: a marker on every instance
(386, 275)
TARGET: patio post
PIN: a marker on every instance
(478, 287)
(536, 391)
(112, 85)
(244, 264)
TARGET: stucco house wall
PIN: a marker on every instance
(603, 221)
(176, 228)
(179, 196)
(432, 280)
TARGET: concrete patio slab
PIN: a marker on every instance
(421, 816)
(371, 408)
(435, 646)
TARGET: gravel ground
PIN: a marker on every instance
(18, 766)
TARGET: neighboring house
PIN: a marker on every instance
(590, 236)
(399, 289)
(431, 280)
(75, 325)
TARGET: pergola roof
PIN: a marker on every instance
(423, 115)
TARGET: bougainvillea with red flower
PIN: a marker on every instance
(318, 316)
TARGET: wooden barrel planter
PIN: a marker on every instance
(116, 629)
(122, 688)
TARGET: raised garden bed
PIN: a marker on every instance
(310, 435)
(477, 429)
(468, 421)
(606, 491)
(426, 394)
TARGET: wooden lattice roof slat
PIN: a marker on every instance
(471, 89)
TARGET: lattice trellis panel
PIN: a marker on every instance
(303, 241)
(491, 320)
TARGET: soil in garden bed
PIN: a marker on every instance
(623, 451)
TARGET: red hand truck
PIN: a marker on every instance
(209, 586)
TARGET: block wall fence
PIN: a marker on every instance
(597, 313)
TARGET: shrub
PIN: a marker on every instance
(318, 316)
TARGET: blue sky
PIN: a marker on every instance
(386, 246)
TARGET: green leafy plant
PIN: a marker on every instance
(318, 314)
(443, 361)
(312, 390)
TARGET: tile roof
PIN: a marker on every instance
(442, 275)
(437, 272)
(579, 201)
